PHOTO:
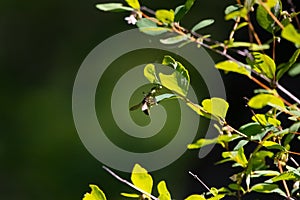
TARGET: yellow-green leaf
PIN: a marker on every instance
(165, 16)
(96, 194)
(141, 179)
(150, 73)
(261, 100)
(163, 191)
(134, 4)
(265, 64)
(291, 34)
(216, 106)
(195, 197)
(272, 145)
(130, 195)
(174, 82)
(230, 66)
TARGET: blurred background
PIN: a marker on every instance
(42, 45)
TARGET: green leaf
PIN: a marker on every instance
(265, 120)
(134, 4)
(295, 70)
(221, 139)
(169, 61)
(145, 22)
(261, 100)
(174, 82)
(272, 145)
(174, 40)
(181, 10)
(231, 66)
(163, 191)
(284, 176)
(282, 69)
(236, 156)
(198, 109)
(237, 187)
(96, 194)
(164, 96)
(165, 16)
(263, 17)
(259, 173)
(264, 64)
(179, 80)
(202, 24)
(259, 159)
(251, 46)
(195, 197)
(150, 74)
(216, 106)
(251, 129)
(141, 179)
(130, 195)
(154, 30)
(237, 13)
(291, 34)
(264, 188)
(114, 7)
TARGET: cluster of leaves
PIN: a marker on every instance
(266, 131)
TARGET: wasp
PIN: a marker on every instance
(148, 101)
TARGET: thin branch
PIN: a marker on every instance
(283, 181)
(129, 184)
(198, 179)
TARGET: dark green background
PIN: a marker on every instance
(42, 44)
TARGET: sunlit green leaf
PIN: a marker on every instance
(165, 16)
(259, 173)
(230, 66)
(236, 156)
(195, 197)
(238, 13)
(261, 100)
(96, 194)
(163, 191)
(114, 7)
(174, 40)
(202, 24)
(130, 195)
(134, 4)
(150, 73)
(217, 197)
(174, 82)
(265, 64)
(284, 176)
(264, 188)
(240, 144)
(251, 46)
(286, 66)
(198, 109)
(169, 61)
(265, 120)
(141, 179)
(291, 34)
(216, 106)
(272, 145)
(221, 139)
